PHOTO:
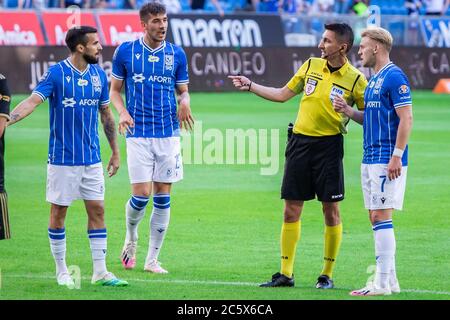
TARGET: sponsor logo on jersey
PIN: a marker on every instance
(153, 59)
(160, 79)
(138, 77)
(82, 82)
(316, 74)
(404, 89)
(311, 85)
(89, 102)
(137, 55)
(373, 104)
(69, 102)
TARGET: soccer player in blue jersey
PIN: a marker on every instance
(387, 123)
(152, 71)
(77, 90)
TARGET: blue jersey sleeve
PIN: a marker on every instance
(181, 74)
(118, 65)
(104, 97)
(399, 90)
(45, 87)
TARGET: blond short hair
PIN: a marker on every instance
(380, 35)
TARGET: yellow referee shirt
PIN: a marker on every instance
(316, 116)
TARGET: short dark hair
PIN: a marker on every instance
(151, 8)
(344, 32)
(77, 35)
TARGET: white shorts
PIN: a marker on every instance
(154, 159)
(68, 183)
(379, 192)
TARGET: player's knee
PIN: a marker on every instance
(379, 215)
(58, 215)
(292, 211)
(331, 214)
(142, 190)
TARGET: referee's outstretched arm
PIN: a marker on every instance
(269, 93)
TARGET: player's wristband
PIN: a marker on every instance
(398, 152)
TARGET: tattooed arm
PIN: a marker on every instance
(109, 125)
(24, 108)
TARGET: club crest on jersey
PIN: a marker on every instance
(153, 59)
(168, 62)
(335, 91)
(96, 83)
(82, 82)
(311, 85)
(95, 80)
(403, 89)
(379, 83)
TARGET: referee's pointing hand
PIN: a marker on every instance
(241, 82)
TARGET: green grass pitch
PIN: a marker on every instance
(223, 238)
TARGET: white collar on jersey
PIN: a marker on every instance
(153, 51)
(70, 65)
(384, 68)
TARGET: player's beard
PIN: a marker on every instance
(90, 59)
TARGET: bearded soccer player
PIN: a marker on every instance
(315, 151)
(152, 71)
(387, 124)
(77, 89)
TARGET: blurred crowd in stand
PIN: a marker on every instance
(294, 7)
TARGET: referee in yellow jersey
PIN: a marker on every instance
(5, 100)
(315, 151)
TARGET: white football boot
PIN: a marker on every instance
(371, 290)
(155, 267)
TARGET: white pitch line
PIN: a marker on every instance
(211, 282)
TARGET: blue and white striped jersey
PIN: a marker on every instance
(150, 77)
(74, 99)
(387, 90)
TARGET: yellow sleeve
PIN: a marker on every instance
(297, 82)
(358, 92)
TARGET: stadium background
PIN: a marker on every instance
(223, 238)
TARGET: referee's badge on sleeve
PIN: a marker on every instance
(311, 85)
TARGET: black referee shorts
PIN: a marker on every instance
(4, 217)
(314, 167)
